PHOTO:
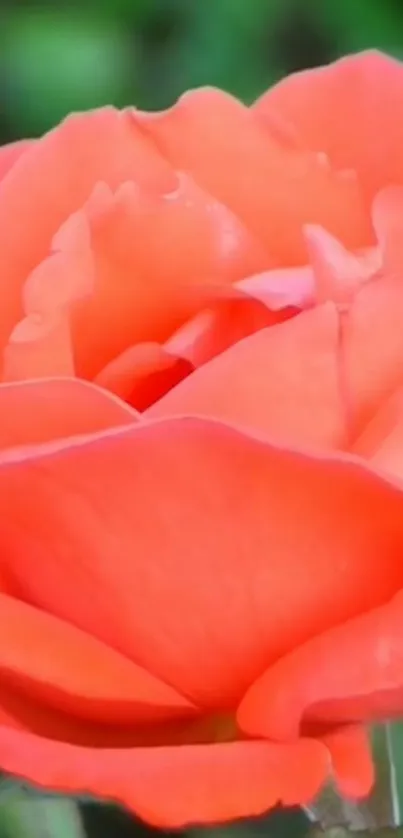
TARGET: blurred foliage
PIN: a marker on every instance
(25, 813)
(61, 56)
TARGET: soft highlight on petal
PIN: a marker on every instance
(372, 348)
(10, 153)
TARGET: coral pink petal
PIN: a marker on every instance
(382, 439)
(272, 187)
(365, 91)
(352, 764)
(282, 288)
(387, 219)
(215, 329)
(39, 347)
(143, 374)
(372, 347)
(174, 786)
(53, 179)
(150, 252)
(231, 313)
(9, 154)
(193, 514)
(34, 412)
(69, 670)
(372, 334)
(338, 273)
(351, 673)
(282, 381)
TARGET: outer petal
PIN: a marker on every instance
(352, 673)
(172, 787)
(283, 381)
(352, 763)
(272, 187)
(54, 178)
(365, 91)
(39, 411)
(71, 671)
(161, 526)
(9, 154)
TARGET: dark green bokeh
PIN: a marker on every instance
(61, 56)
(58, 56)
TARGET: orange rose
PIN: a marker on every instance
(201, 417)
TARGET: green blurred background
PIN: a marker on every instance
(61, 56)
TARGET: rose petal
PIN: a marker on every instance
(161, 526)
(143, 374)
(283, 381)
(382, 439)
(40, 411)
(150, 251)
(54, 177)
(172, 787)
(338, 273)
(372, 336)
(282, 288)
(273, 188)
(69, 670)
(365, 91)
(39, 347)
(387, 219)
(351, 673)
(10, 153)
(352, 763)
(123, 268)
(372, 348)
(213, 330)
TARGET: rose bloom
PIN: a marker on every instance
(201, 421)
